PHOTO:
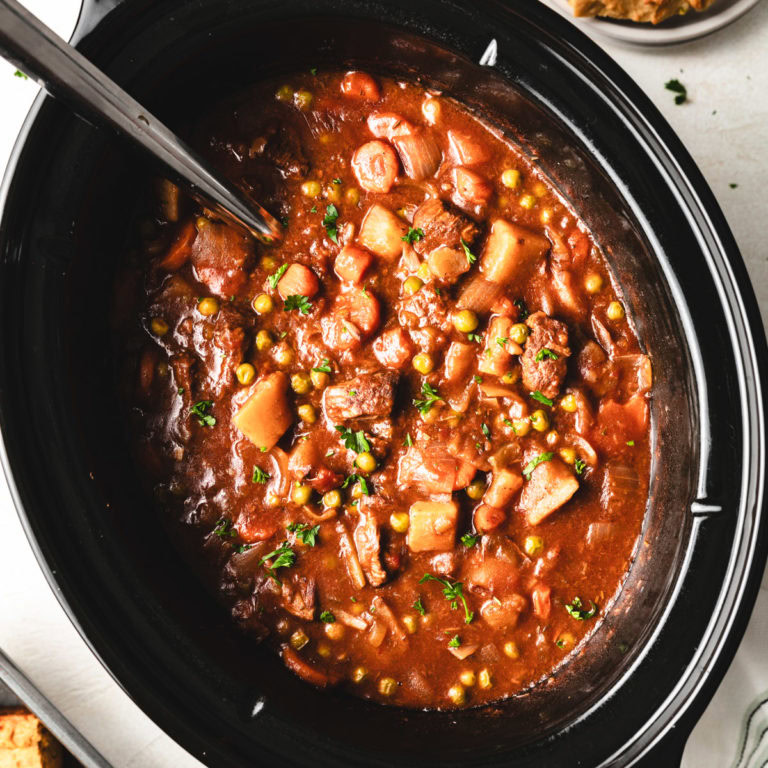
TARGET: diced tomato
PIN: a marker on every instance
(393, 348)
(352, 262)
(542, 604)
(375, 165)
(386, 125)
(360, 85)
(471, 187)
(298, 280)
(181, 248)
(487, 518)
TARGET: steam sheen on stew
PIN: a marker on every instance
(408, 446)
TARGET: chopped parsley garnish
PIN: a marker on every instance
(180, 390)
(243, 548)
(259, 475)
(732, 185)
(677, 87)
(304, 533)
(313, 209)
(508, 423)
(282, 557)
(263, 449)
(352, 393)
(454, 642)
(486, 429)
(413, 235)
(477, 379)
(408, 442)
(355, 441)
(357, 479)
(324, 367)
(522, 308)
(274, 278)
(224, 529)
(327, 617)
(19, 73)
(473, 337)
(430, 398)
(501, 341)
(313, 71)
(577, 610)
(535, 461)
(545, 353)
(580, 465)
(337, 181)
(631, 443)
(200, 410)
(539, 398)
(419, 607)
(560, 643)
(469, 540)
(453, 592)
(471, 258)
(297, 301)
(284, 222)
(329, 222)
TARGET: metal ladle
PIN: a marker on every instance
(64, 72)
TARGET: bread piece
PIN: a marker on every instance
(653, 11)
(26, 743)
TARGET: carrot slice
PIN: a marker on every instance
(181, 248)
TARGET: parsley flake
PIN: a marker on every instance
(259, 475)
(430, 398)
(413, 235)
(452, 591)
(469, 540)
(501, 341)
(535, 461)
(297, 301)
(539, 398)
(330, 222)
(544, 353)
(19, 73)
(324, 367)
(454, 642)
(477, 379)
(355, 441)
(200, 410)
(631, 443)
(471, 258)
(576, 609)
(677, 87)
(522, 308)
(224, 529)
(282, 557)
(419, 607)
(304, 533)
(580, 465)
(486, 429)
(357, 479)
(408, 442)
(327, 617)
(313, 71)
(473, 337)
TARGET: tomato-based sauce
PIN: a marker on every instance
(408, 446)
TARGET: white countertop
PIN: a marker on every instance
(725, 127)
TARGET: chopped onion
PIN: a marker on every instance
(463, 651)
(419, 154)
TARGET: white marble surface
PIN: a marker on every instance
(725, 126)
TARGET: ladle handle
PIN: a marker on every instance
(64, 72)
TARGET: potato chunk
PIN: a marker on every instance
(447, 264)
(382, 232)
(550, 486)
(433, 525)
(505, 484)
(266, 414)
(510, 251)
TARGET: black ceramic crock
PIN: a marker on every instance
(633, 696)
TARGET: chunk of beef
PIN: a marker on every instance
(283, 149)
(441, 226)
(552, 484)
(545, 374)
(228, 350)
(367, 538)
(369, 394)
(298, 597)
(219, 257)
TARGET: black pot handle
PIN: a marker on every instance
(91, 13)
(668, 752)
